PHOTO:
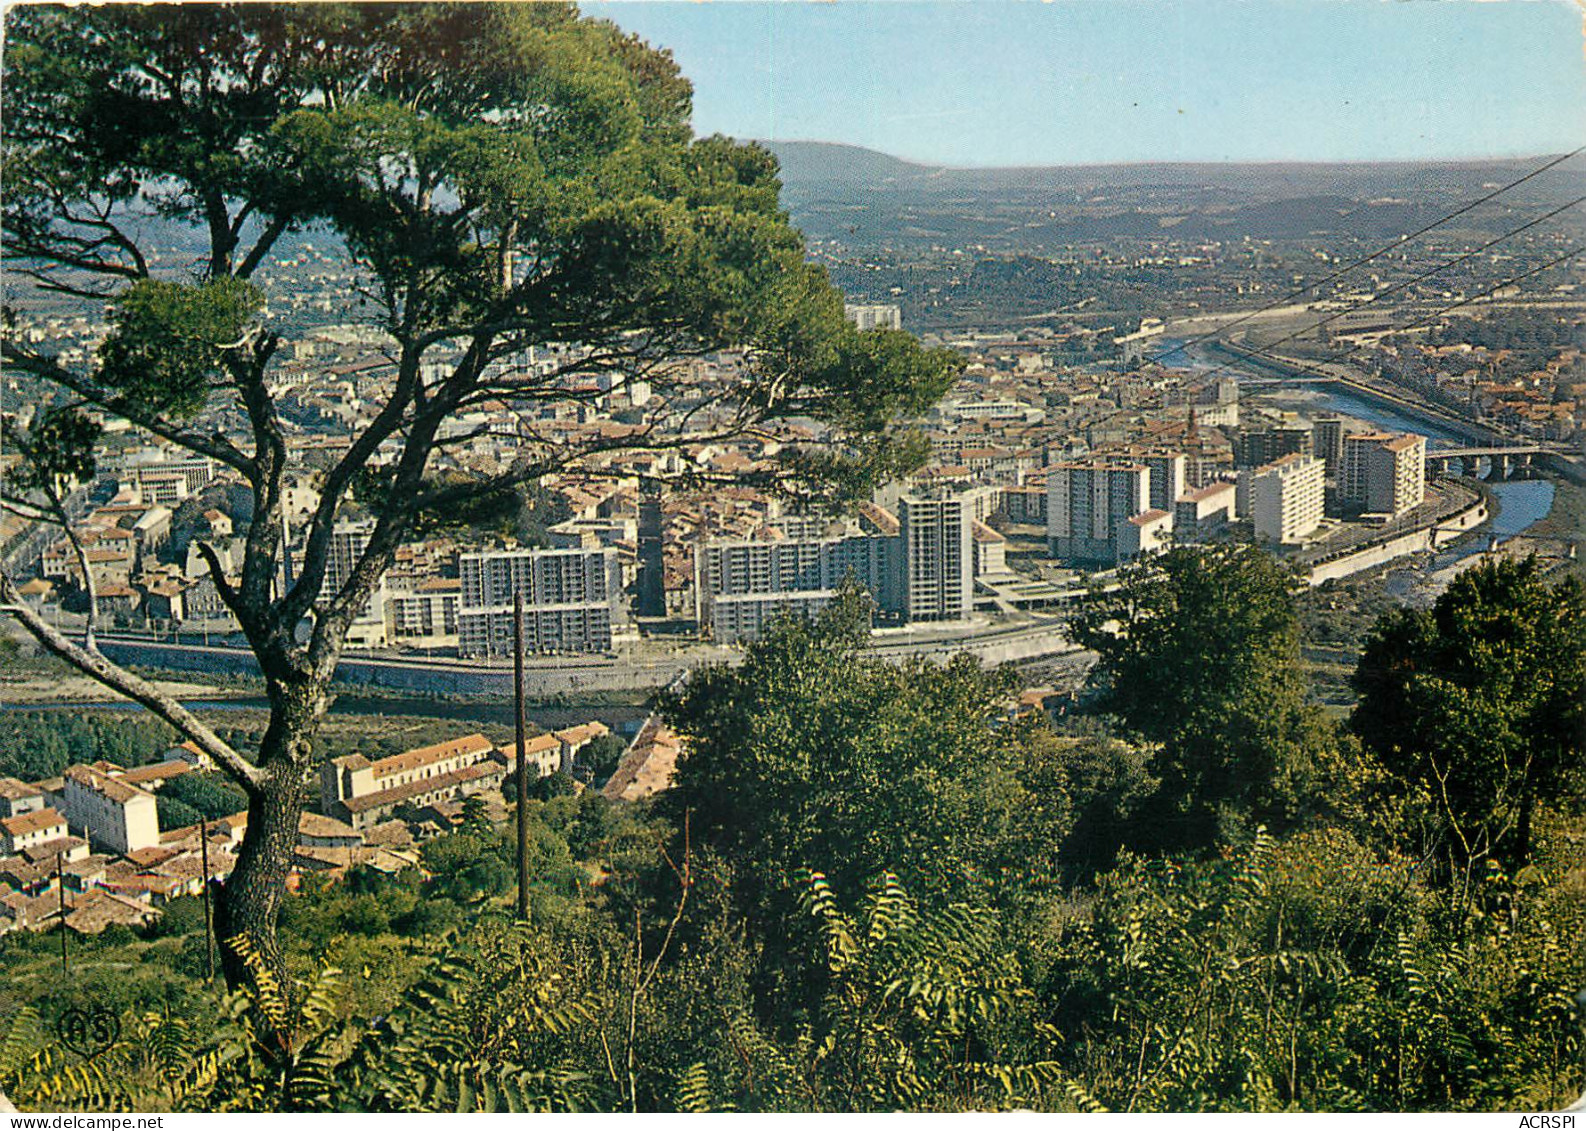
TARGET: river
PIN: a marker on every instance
(1520, 502)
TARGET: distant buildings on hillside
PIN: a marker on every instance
(874, 316)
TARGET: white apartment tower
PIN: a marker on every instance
(1167, 477)
(938, 556)
(1286, 497)
(1396, 475)
(1089, 502)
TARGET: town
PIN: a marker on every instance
(1041, 474)
(1066, 596)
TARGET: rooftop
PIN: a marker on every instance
(104, 785)
(476, 744)
(157, 772)
(398, 794)
(648, 765)
(28, 823)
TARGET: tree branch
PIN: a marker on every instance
(216, 447)
(133, 687)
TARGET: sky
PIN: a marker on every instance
(1013, 82)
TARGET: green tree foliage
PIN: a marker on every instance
(174, 813)
(41, 744)
(469, 866)
(212, 795)
(1199, 653)
(810, 752)
(1478, 705)
(601, 756)
(1311, 976)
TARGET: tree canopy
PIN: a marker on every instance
(811, 756)
(1479, 703)
(1199, 652)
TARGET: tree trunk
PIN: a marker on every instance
(250, 901)
(1522, 846)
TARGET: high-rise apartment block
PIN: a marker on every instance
(1259, 447)
(1205, 511)
(1284, 498)
(938, 556)
(1396, 475)
(1382, 472)
(347, 543)
(1088, 502)
(1327, 442)
(571, 599)
(738, 617)
(1352, 465)
(917, 566)
(1167, 477)
(743, 585)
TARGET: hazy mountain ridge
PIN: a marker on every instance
(858, 196)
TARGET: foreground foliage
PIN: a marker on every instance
(697, 960)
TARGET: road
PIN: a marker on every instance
(571, 675)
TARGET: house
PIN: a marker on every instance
(95, 909)
(364, 792)
(119, 816)
(544, 755)
(219, 523)
(156, 774)
(648, 764)
(315, 830)
(18, 797)
(190, 753)
(574, 739)
(51, 852)
(30, 829)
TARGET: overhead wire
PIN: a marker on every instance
(1395, 289)
(1380, 252)
(1494, 288)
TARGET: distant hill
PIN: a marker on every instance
(860, 197)
(806, 163)
(817, 162)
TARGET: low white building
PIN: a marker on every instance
(1204, 511)
(114, 814)
(1149, 532)
(29, 830)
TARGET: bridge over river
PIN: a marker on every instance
(1501, 459)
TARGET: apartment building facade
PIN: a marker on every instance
(572, 600)
(1285, 498)
(938, 556)
(1089, 502)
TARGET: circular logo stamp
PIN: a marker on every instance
(88, 1031)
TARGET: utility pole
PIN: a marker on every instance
(523, 755)
(60, 888)
(209, 921)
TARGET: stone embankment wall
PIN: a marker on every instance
(1431, 537)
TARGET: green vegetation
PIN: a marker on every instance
(209, 795)
(872, 890)
(809, 755)
(41, 744)
(1199, 652)
(1477, 708)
